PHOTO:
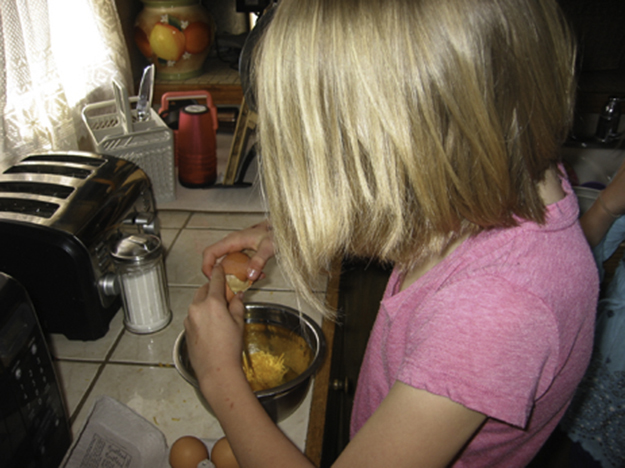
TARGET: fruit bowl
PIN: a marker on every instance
(279, 331)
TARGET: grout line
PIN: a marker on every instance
(160, 365)
(95, 379)
(178, 232)
(184, 286)
(211, 228)
(80, 361)
(173, 242)
(186, 221)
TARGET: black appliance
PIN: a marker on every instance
(60, 213)
(34, 428)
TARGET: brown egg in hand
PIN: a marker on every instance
(222, 455)
(235, 269)
(187, 452)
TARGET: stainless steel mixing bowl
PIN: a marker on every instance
(276, 329)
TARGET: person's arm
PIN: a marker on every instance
(607, 208)
(412, 428)
(596, 222)
(258, 238)
(214, 331)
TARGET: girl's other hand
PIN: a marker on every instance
(257, 238)
(609, 205)
(614, 194)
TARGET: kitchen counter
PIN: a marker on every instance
(138, 370)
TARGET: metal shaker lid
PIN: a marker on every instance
(137, 249)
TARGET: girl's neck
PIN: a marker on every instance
(550, 191)
(419, 270)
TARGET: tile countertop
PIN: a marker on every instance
(138, 370)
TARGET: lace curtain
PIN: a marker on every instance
(55, 57)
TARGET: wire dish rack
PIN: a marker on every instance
(115, 130)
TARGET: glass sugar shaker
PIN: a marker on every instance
(138, 260)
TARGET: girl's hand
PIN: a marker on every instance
(257, 238)
(214, 331)
(614, 194)
(609, 205)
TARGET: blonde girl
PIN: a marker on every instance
(423, 133)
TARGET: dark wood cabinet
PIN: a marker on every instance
(362, 285)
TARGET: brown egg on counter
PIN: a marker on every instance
(222, 456)
(235, 269)
(187, 452)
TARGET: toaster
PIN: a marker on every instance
(60, 214)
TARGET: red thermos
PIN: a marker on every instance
(197, 147)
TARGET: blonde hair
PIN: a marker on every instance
(390, 128)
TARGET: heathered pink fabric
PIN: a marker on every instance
(503, 326)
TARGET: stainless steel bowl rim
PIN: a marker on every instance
(286, 387)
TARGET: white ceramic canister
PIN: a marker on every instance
(175, 35)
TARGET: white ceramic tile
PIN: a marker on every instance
(158, 394)
(153, 387)
(296, 426)
(184, 262)
(168, 236)
(62, 348)
(173, 219)
(74, 379)
(156, 348)
(219, 199)
(228, 221)
(163, 398)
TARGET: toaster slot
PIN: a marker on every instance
(35, 188)
(28, 207)
(68, 171)
(67, 158)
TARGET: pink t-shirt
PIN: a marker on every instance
(504, 326)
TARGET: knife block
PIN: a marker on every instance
(115, 130)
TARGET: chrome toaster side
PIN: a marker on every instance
(59, 215)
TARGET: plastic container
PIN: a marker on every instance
(115, 130)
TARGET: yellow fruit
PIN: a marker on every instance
(167, 42)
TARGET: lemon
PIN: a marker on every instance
(167, 42)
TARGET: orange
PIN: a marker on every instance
(141, 39)
(198, 37)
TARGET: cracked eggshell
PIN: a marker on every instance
(235, 268)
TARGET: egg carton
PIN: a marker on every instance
(116, 436)
(115, 130)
